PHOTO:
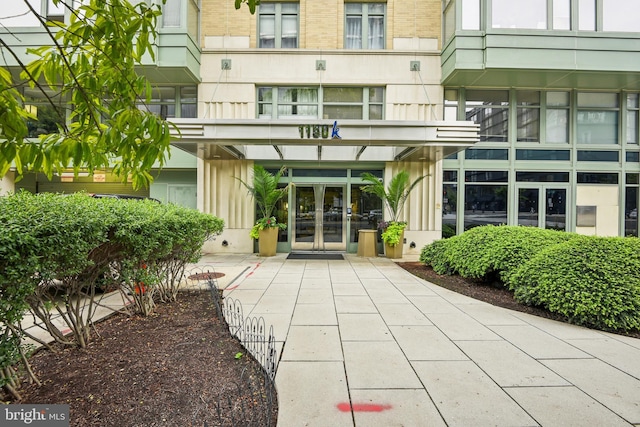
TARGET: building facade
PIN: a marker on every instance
(549, 88)
(329, 90)
(554, 86)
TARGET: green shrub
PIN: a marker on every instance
(434, 255)
(55, 250)
(491, 253)
(593, 281)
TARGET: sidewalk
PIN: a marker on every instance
(365, 343)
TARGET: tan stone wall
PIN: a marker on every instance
(221, 18)
(414, 18)
(322, 22)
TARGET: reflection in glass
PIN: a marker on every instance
(557, 125)
(320, 216)
(366, 212)
(305, 214)
(597, 127)
(282, 216)
(449, 210)
(556, 212)
(489, 109)
(486, 154)
(528, 202)
(332, 215)
(528, 124)
(485, 204)
(49, 118)
(631, 211)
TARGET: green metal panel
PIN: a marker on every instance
(544, 59)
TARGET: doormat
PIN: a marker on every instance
(315, 255)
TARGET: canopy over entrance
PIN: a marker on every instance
(324, 140)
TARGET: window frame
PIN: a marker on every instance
(278, 16)
(273, 103)
(166, 103)
(596, 109)
(364, 24)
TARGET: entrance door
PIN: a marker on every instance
(544, 207)
(320, 218)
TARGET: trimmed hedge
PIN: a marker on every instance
(491, 253)
(60, 247)
(434, 255)
(593, 281)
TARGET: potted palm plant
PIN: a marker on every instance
(393, 197)
(265, 191)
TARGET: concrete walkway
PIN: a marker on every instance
(365, 343)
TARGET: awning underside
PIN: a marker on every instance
(349, 141)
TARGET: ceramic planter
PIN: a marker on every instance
(268, 241)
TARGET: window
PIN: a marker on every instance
(278, 25)
(167, 105)
(633, 110)
(561, 14)
(364, 27)
(171, 14)
(489, 109)
(528, 116)
(49, 110)
(287, 102)
(620, 15)
(486, 176)
(485, 202)
(55, 12)
(188, 102)
(327, 102)
(632, 194)
(352, 103)
(587, 15)
(597, 118)
(557, 117)
(19, 14)
(598, 156)
(542, 176)
(470, 14)
(530, 14)
(449, 203)
(451, 104)
(597, 178)
(543, 155)
(448, 21)
(486, 154)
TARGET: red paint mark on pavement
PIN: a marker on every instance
(362, 407)
(230, 288)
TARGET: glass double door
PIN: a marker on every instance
(320, 219)
(543, 206)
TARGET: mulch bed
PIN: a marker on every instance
(169, 369)
(493, 293)
(174, 367)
